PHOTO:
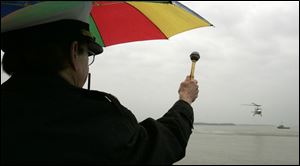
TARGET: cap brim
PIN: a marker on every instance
(95, 47)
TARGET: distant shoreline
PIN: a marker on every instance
(222, 124)
(230, 124)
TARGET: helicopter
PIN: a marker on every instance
(257, 109)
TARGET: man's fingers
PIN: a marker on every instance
(188, 78)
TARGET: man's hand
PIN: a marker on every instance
(188, 90)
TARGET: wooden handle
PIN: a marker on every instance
(193, 70)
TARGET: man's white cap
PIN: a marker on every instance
(62, 18)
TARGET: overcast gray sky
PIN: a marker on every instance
(251, 55)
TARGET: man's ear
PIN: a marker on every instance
(74, 55)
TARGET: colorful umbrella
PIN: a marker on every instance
(115, 22)
(120, 22)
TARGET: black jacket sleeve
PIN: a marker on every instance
(161, 141)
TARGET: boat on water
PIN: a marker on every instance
(282, 127)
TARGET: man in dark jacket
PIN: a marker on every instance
(48, 118)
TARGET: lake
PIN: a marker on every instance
(242, 145)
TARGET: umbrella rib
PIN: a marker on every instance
(107, 4)
(191, 11)
(148, 19)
